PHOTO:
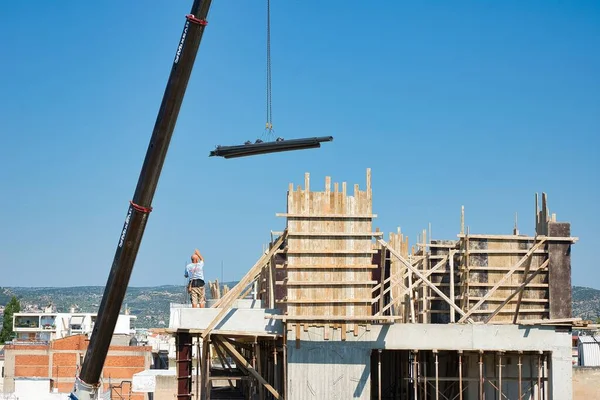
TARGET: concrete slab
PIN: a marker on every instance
(248, 320)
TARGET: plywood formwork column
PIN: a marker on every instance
(559, 271)
(491, 258)
(329, 251)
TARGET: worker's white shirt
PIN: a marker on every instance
(194, 271)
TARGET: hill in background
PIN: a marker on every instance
(151, 304)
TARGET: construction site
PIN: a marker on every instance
(336, 309)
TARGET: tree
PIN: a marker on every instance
(12, 307)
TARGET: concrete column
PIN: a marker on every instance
(561, 371)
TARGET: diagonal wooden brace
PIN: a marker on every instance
(405, 290)
(233, 294)
(425, 280)
(242, 362)
(518, 291)
(504, 279)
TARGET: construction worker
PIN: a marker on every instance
(195, 274)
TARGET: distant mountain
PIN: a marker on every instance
(151, 304)
(586, 303)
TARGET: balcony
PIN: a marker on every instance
(26, 323)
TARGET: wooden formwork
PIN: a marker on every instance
(329, 252)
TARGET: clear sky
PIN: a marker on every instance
(470, 103)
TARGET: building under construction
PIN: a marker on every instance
(335, 309)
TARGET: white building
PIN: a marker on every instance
(51, 326)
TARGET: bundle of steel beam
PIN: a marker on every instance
(251, 149)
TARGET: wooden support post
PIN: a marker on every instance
(415, 374)
(499, 375)
(539, 377)
(198, 361)
(411, 302)
(460, 375)
(379, 374)
(520, 366)
(481, 379)
(275, 371)
(382, 278)
(501, 281)
(451, 259)
(242, 362)
(437, 376)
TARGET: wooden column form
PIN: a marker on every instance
(559, 271)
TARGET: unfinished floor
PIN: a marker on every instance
(343, 313)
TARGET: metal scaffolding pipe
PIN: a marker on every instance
(379, 374)
(460, 381)
(415, 374)
(481, 394)
(499, 375)
(520, 365)
(437, 376)
(539, 376)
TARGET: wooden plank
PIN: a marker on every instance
(325, 301)
(325, 283)
(519, 291)
(523, 238)
(242, 362)
(335, 234)
(504, 251)
(327, 216)
(329, 266)
(329, 252)
(332, 317)
(504, 279)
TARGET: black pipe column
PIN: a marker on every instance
(137, 215)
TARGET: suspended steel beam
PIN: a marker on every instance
(253, 149)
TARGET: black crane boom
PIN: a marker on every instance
(141, 204)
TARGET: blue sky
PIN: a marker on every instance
(470, 103)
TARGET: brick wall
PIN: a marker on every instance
(61, 359)
(30, 365)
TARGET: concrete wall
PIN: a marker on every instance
(166, 388)
(334, 368)
(586, 383)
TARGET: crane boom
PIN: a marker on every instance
(130, 237)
